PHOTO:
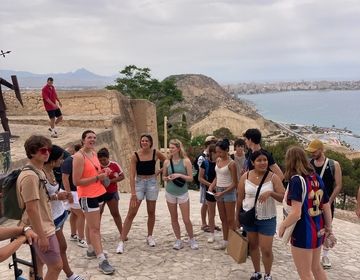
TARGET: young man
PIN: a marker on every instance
(239, 157)
(204, 207)
(252, 141)
(33, 196)
(52, 108)
(330, 172)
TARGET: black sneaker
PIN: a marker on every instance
(256, 276)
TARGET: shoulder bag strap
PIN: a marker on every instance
(172, 166)
(324, 167)
(154, 153)
(259, 187)
(137, 156)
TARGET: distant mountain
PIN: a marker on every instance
(80, 78)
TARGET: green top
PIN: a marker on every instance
(171, 188)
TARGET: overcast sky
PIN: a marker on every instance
(229, 40)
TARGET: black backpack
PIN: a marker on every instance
(196, 169)
(12, 209)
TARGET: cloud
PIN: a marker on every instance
(227, 40)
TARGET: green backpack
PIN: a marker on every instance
(12, 209)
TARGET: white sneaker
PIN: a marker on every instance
(178, 244)
(150, 241)
(74, 237)
(325, 262)
(120, 248)
(211, 239)
(193, 244)
(221, 245)
(82, 243)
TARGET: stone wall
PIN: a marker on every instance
(126, 120)
(78, 103)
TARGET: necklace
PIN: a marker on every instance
(50, 177)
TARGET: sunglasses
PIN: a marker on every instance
(44, 150)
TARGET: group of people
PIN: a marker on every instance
(88, 181)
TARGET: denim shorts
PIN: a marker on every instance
(146, 188)
(265, 227)
(227, 197)
(59, 221)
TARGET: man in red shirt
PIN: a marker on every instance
(52, 108)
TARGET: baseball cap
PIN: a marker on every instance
(210, 138)
(314, 146)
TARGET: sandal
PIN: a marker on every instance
(205, 228)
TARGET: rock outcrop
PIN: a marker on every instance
(208, 107)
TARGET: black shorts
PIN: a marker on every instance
(91, 204)
(54, 113)
(110, 196)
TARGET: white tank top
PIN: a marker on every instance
(223, 176)
(57, 206)
(265, 210)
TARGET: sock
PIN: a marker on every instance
(90, 248)
(325, 253)
(101, 257)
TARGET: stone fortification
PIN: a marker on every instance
(208, 107)
(117, 120)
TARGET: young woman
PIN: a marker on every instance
(77, 217)
(143, 185)
(111, 197)
(225, 191)
(261, 234)
(312, 218)
(207, 175)
(179, 167)
(88, 177)
(58, 210)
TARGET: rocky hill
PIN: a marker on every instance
(208, 107)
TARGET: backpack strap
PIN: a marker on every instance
(332, 166)
(323, 168)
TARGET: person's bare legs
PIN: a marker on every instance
(93, 230)
(303, 259)
(203, 211)
(129, 219)
(316, 267)
(113, 205)
(174, 219)
(253, 239)
(223, 218)
(265, 244)
(80, 222)
(211, 213)
(151, 206)
(185, 213)
(73, 222)
(230, 216)
(63, 247)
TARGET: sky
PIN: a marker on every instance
(230, 40)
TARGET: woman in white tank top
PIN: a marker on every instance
(261, 234)
(225, 186)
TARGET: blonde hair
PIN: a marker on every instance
(177, 143)
(296, 163)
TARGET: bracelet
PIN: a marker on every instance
(26, 228)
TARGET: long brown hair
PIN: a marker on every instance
(179, 145)
(296, 163)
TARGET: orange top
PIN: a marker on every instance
(91, 169)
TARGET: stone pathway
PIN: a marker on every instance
(162, 262)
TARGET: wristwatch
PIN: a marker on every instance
(26, 229)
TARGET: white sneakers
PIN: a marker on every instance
(178, 245)
(120, 248)
(211, 238)
(150, 241)
(193, 244)
(325, 262)
(82, 243)
(221, 245)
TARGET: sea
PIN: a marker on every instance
(330, 108)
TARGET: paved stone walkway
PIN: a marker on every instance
(162, 262)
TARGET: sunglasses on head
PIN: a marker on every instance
(45, 150)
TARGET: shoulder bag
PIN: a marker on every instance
(179, 182)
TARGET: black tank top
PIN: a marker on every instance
(146, 167)
(328, 178)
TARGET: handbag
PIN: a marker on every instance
(237, 246)
(287, 209)
(247, 218)
(180, 182)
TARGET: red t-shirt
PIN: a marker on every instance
(49, 92)
(116, 171)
